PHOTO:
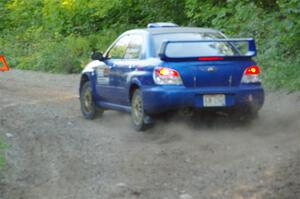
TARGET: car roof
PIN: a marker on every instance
(165, 30)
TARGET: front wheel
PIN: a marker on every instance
(137, 111)
(87, 103)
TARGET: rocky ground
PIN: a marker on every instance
(54, 153)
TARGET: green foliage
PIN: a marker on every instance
(58, 35)
(2, 159)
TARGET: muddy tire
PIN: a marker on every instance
(137, 111)
(87, 103)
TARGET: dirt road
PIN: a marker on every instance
(55, 153)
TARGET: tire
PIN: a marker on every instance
(137, 111)
(87, 103)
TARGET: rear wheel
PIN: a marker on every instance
(87, 103)
(137, 111)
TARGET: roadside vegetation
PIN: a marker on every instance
(2, 159)
(59, 35)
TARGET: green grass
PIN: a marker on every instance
(2, 158)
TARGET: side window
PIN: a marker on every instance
(134, 48)
(118, 50)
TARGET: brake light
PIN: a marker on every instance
(210, 58)
(251, 75)
(164, 75)
(167, 72)
(252, 70)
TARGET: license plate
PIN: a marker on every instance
(216, 100)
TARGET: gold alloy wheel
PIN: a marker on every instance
(137, 109)
(87, 100)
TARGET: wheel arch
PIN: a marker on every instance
(85, 77)
(134, 84)
(133, 87)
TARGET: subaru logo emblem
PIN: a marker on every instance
(211, 69)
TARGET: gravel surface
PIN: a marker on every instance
(55, 153)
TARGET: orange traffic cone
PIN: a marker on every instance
(3, 64)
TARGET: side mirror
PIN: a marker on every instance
(97, 56)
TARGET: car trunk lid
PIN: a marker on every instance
(210, 73)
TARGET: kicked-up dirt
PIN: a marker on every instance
(54, 153)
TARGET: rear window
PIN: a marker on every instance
(190, 49)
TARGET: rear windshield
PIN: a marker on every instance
(199, 49)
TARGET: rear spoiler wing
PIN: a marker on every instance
(251, 50)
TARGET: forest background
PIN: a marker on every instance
(59, 35)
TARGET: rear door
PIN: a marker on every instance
(124, 57)
(108, 76)
(130, 61)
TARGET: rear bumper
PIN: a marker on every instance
(160, 99)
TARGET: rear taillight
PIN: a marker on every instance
(251, 75)
(164, 75)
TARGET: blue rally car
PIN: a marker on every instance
(164, 68)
